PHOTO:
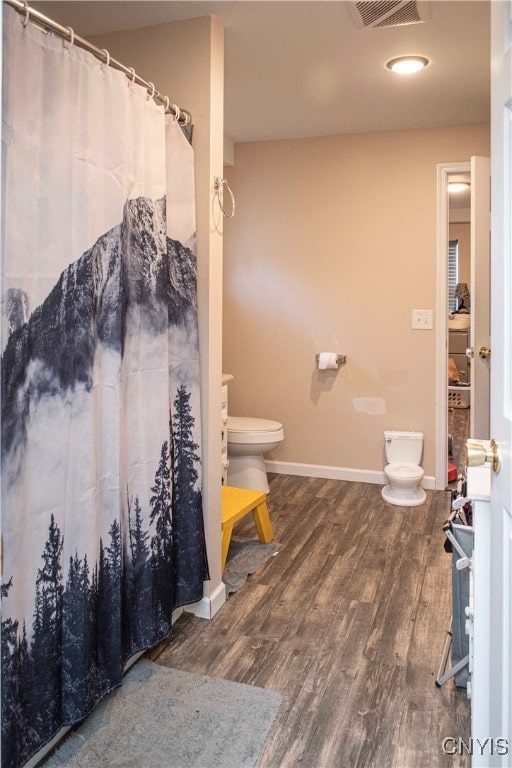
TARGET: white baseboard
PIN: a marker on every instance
(377, 477)
(210, 604)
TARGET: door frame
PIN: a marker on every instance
(444, 171)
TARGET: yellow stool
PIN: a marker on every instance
(237, 502)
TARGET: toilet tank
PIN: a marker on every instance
(403, 447)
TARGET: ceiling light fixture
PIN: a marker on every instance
(458, 186)
(407, 65)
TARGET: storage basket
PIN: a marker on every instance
(460, 600)
(459, 397)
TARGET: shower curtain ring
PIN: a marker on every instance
(151, 95)
(107, 57)
(166, 104)
(132, 72)
(27, 14)
(177, 113)
(69, 45)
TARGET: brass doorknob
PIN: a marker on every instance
(477, 455)
(484, 352)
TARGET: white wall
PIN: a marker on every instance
(332, 247)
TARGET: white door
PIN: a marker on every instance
(492, 692)
(480, 287)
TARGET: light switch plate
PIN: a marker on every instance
(422, 319)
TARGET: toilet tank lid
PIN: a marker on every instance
(248, 424)
(393, 434)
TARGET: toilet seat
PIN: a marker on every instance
(410, 471)
(244, 429)
(248, 440)
(404, 488)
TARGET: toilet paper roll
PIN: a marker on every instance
(327, 360)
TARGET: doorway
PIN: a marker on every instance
(467, 288)
(459, 320)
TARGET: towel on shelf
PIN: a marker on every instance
(453, 373)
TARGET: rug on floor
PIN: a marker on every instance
(245, 556)
(166, 718)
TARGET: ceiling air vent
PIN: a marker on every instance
(388, 13)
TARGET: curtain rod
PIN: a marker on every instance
(31, 14)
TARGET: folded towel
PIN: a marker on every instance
(453, 373)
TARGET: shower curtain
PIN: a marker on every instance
(101, 473)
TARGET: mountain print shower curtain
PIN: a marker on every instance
(101, 474)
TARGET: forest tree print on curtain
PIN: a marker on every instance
(101, 450)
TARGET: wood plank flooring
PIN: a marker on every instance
(348, 623)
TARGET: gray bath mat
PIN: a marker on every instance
(165, 718)
(245, 556)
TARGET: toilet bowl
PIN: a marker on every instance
(403, 471)
(248, 440)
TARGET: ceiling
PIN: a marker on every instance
(296, 69)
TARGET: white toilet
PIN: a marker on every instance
(248, 440)
(403, 471)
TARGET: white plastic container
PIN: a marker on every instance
(459, 397)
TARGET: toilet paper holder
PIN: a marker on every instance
(340, 359)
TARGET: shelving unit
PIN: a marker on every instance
(458, 343)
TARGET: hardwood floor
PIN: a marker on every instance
(348, 623)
